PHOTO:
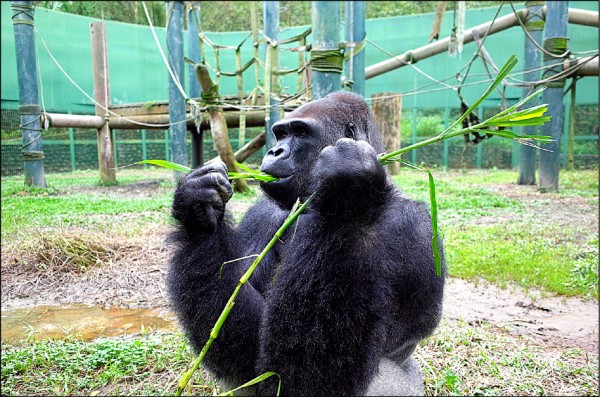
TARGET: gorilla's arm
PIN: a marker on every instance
(200, 283)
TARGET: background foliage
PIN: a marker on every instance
(228, 16)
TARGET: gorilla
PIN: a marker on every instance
(339, 304)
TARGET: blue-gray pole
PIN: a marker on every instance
(177, 129)
(271, 22)
(193, 18)
(355, 33)
(29, 109)
(194, 47)
(555, 43)
(326, 66)
(533, 58)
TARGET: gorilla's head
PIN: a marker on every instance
(301, 136)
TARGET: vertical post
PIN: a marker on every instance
(355, 33)
(29, 108)
(106, 161)
(72, 148)
(193, 17)
(446, 144)
(571, 141)
(555, 43)
(326, 57)
(271, 22)
(177, 127)
(413, 120)
(114, 148)
(167, 144)
(387, 110)
(479, 148)
(144, 148)
(533, 57)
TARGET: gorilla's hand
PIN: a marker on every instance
(349, 162)
(200, 196)
(349, 178)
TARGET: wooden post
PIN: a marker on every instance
(106, 160)
(387, 111)
(218, 125)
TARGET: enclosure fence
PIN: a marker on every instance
(68, 150)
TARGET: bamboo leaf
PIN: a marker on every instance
(525, 114)
(434, 219)
(166, 164)
(508, 66)
(512, 135)
(518, 104)
(254, 381)
(246, 168)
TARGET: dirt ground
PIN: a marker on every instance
(136, 279)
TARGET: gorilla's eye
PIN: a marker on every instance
(351, 131)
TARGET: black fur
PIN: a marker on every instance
(351, 284)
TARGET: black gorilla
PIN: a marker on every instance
(341, 301)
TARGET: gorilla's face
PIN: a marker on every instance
(292, 160)
(304, 133)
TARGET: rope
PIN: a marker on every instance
(327, 61)
(23, 14)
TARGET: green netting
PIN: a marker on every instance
(137, 74)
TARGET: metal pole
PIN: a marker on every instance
(533, 57)
(193, 17)
(326, 67)
(555, 43)
(29, 109)
(355, 33)
(271, 22)
(197, 133)
(177, 127)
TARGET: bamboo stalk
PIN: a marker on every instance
(214, 333)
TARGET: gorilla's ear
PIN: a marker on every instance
(350, 131)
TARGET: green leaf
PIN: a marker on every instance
(254, 381)
(166, 164)
(253, 174)
(434, 218)
(518, 104)
(529, 116)
(508, 66)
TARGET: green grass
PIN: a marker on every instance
(508, 240)
(458, 360)
(141, 365)
(487, 235)
(465, 360)
(62, 205)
